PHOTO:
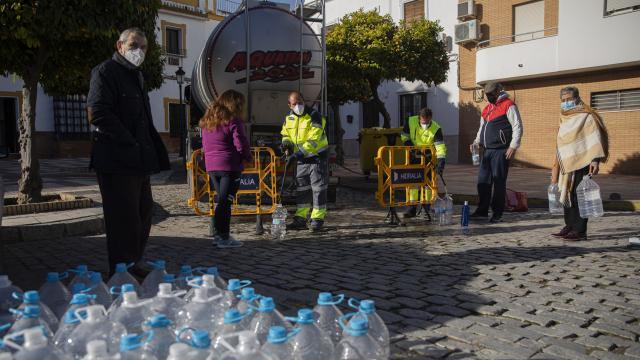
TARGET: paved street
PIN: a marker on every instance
(504, 291)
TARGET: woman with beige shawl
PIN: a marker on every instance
(581, 145)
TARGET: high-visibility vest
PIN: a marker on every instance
(419, 136)
(305, 134)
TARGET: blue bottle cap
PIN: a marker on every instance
(95, 277)
(53, 277)
(31, 297)
(121, 268)
(201, 339)
(129, 342)
(305, 316)
(82, 268)
(266, 304)
(78, 287)
(367, 306)
(169, 278)
(186, 269)
(80, 299)
(277, 335)
(159, 321)
(324, 298)
(233, 285)
(160, 264)
(31, 311)
(128, 288)
(248, 294)
(212, 271)
(232, 316)
(358, 327)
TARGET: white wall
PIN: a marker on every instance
(44, 107)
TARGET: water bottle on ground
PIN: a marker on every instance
(201, 313)
(206, 282)
(357, 344)
(7, 301)
(248, 348)
(163, 335)
(475, 154)
(35, 346)
(232, 324)
(81, 276)
(198, 340)
(589, 200)
(279, 223)
(132, 347)
(122, 276)
(310, 343)
(553, 193)
(95, 326)
(448, 209)
(277, 345)
(266, 316)
(377, 329)
(167, 302)
(149, 287)
(69, 320)
(439, 210)
(33, 298)
(464, 219)
(186, 274)
(97, 350)
(230, 296)
(247, 302)
(328, 315)
(54, 294)
(132, 313)
(118, 292)
(27, 318)
(100, 290)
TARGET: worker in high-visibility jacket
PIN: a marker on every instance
(422, 130)
(304, 140)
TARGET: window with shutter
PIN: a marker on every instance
(414, 10)
(616, 100)
(528, 21)
(616, 6)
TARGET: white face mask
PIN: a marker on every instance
(135, 56)
(298, 109)
(424, 126)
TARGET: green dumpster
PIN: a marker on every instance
(371, 139)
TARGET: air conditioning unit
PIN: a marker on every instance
(467, 31)
(467, 10)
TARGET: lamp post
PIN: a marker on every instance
(183, 127)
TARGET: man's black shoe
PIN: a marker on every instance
(495, 219)
(411, 212)
(316, 225)
(298, 223)
(476, 215)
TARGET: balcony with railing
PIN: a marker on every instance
(188, 7)
(226, 7)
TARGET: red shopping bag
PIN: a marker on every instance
(516, 201)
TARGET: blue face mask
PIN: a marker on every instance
(568, 105)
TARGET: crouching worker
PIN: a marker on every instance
(422, 130)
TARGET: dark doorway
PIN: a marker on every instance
(370, 115)
(8, 125)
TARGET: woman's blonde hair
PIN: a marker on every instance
(229, 105)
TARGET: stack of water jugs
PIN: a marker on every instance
(195, 315)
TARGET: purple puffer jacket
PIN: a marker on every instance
(226, 148)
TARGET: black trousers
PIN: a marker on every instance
(492, 178)
(128, 207)
(226, 184)
(572, 217)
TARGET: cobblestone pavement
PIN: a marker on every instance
(505, 291)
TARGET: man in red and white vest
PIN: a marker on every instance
(499, 135)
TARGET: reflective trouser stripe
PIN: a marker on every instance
(312, 182)
(303, 212)
(318, 214)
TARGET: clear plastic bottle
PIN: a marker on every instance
(328, 315)
(230, 296)
(212, 270)
(122, 276)
(377, 329)
(186, 274)
(7, 301)
(266, 317)
(199, 342)
(132, 313)
(81, 276)
(96, 326)
(167, 302)
(247, 302)
(149, 287)
(180, 351)
(54, 294)
(27, 318)
(475, 154)
(100, 290)
(357, 344)
(248, 348)
(232, 324)
(589, 200)
(310, 343)
(439, 210)
(33, 298)
(448, 209)
(132, 346)
(277, 345)
(201, 313)
(163, 335)
(69, 320)
(97, 350)
(553, 194)
(279, 223)
(207, 282)
(119, 292)
(35, 346)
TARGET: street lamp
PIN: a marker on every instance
(180, 80)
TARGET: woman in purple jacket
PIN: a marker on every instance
(226, 148)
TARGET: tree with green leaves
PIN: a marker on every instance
(56, 43)
(366, 48)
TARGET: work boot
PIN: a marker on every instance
(316, 225)
(298, 223)
(411, 212)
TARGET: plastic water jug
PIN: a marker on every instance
(266, 316)
(357, 344)
(97, 350)
(553, 194)
(206, 282)
(475, 154)
(201, 313)
(163, 335)
(180, 351)
(230, 296)
(33, 298)
(589, 200)
(132, 347)
(35, 346)
(7, 301)
(247, 302)
(132, 313)
(167, 302)
(27, 318)
(54, 294)
(328, 315)
(212, 270)
(198, 340)
(122, 276)
(232, 324)
(279, 223)
(248, 348)
(310, 343)
(69, 320)
(100, 290)
(81, 276)
(96, 326)
(149, 286)
(277, 345)
(448, 209)
(118, 292)
(439, 210)
(186, 274)
(377, 329)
